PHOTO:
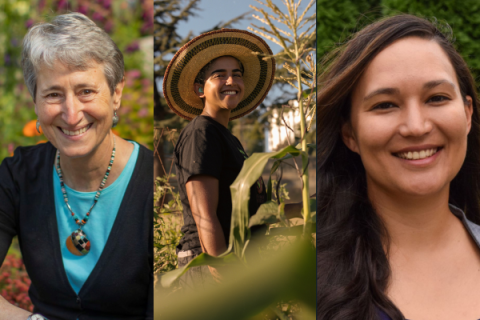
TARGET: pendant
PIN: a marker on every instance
(77, 243)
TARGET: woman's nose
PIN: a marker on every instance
(71, 112)
(416, 121)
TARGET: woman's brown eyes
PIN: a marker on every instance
(438, 99)
(383, 106)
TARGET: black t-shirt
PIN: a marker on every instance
(207, 147)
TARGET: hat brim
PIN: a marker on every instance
(179, 79)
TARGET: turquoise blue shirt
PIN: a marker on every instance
(98, 228)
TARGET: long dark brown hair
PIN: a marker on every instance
(352, 266)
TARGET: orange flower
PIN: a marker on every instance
(42, 141)
(115, 132)
(30, 129)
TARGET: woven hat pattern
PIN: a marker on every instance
(191, 58)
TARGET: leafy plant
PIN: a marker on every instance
(267, 282)
(299, 62)
(167, 223)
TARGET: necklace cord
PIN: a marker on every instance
(84, 221)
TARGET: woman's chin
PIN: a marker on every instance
(424, 189)
(74, 152)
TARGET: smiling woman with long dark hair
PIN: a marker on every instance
(398, 177)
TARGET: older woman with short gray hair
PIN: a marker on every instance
(80, 204)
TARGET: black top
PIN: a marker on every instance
(472, 228)
(121, 284)
(207, 147)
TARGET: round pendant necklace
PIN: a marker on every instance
(77, 242)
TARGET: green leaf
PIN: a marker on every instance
(287, 274)
(275, 166)
(202, 259)
(240, 189)
(267, 213)
(309, 146)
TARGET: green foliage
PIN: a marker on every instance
(282, 194)
(287, 274)
(167, 223)
(136, 111)
(338, 20)
(462, 16)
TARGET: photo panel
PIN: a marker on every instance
(397, 170)
(235, 155)
(76, 159)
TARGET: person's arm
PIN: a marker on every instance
(8, 200)
(10, 312)
(202, 193)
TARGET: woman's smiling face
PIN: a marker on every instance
(75, 108)
(409, 122)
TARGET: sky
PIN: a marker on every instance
(212, 12)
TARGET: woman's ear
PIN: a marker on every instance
(469, 112)
(117, 94)
(199, 90)
(348, 137)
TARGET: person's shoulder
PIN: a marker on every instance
(144, 161)
(200, 130)
(205, 124)
(474, 231)
(144, 150)
(472, 228)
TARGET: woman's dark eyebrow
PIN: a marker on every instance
(391, 91)
(434, 83)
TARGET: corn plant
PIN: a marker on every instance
(270, 279)
(299, 62)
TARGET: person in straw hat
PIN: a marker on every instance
(216, 77)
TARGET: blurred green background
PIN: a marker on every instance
(337, 20)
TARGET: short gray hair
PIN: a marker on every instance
(73, 40)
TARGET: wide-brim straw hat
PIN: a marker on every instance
(179, 79)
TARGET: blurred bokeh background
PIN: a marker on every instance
(338, 20)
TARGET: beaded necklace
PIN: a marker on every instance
(77, 242)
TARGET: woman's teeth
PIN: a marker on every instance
(229, 92)
(417, 155)
(75, 133)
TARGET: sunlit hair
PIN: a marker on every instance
(73, 40)
(353, 268)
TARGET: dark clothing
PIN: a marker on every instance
(121, 284)
(206, 147)
(473, 231)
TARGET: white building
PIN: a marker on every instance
(276, 134)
